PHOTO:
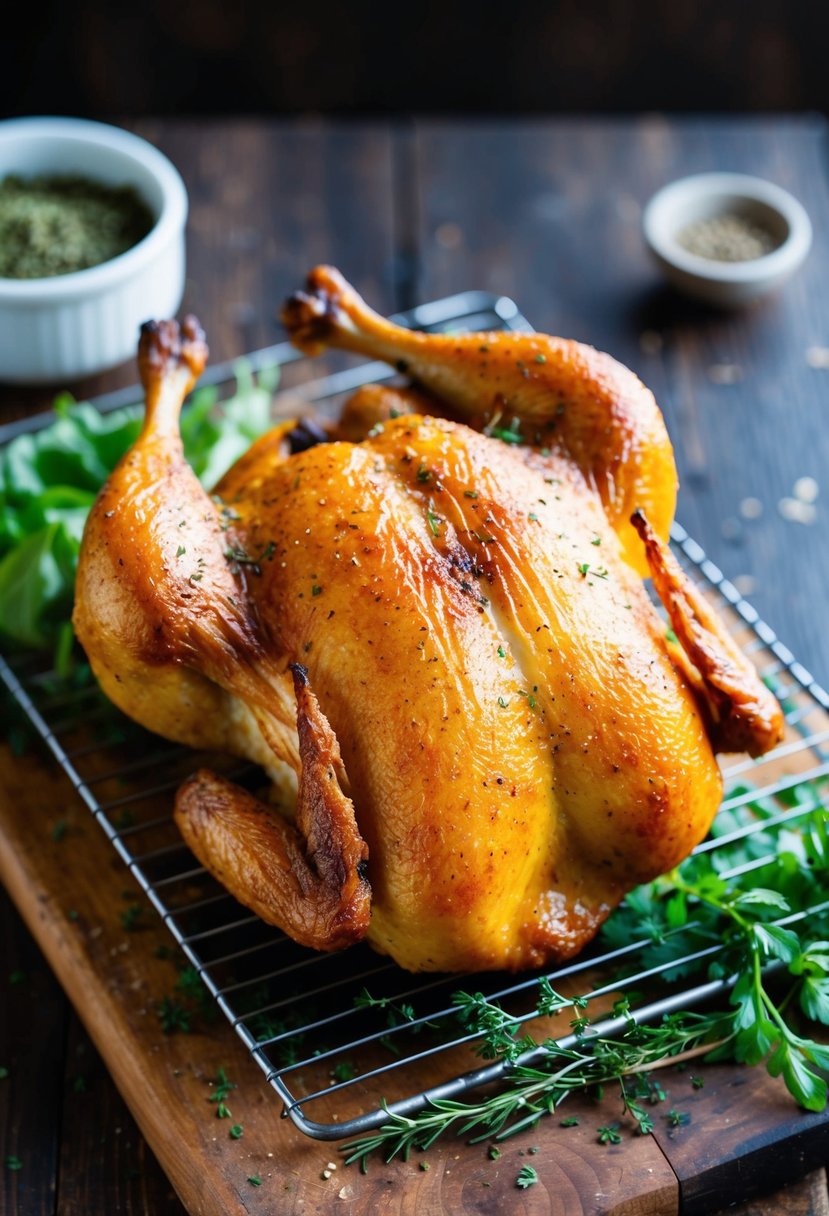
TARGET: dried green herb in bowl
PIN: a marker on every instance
(58, 225)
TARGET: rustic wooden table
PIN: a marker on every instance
(547, 212)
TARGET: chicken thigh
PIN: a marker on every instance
(442, 636)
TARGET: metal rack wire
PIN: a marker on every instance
(304, 1016)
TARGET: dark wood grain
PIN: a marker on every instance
(105, 1163)
(745, 1138)
(33, 1016)
(808, 1197)
(550, 213)
(255, 56)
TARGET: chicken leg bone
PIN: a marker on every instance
(568, 398)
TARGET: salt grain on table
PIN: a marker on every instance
(650, 342)
(818, 356)
(449, 236)
(806, 489)
(751, 508)
(746, 584)
(796, 511)
(725, 373)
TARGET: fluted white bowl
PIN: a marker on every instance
(73, 325)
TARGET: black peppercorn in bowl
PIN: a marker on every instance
(726, 238)
(92, 223)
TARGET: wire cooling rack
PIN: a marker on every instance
(344, 1038)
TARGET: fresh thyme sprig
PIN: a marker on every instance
(537, 1090)
(759, 899)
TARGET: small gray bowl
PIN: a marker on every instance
(705, 195)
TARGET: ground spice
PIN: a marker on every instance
(726, 238)
(57, 225)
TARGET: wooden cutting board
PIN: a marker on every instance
(744, 1135)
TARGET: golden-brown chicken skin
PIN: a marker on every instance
(443, 636)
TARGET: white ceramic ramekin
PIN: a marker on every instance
(728, 284)
(73, 325)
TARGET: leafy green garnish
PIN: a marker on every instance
(49, 480)
(754, 908)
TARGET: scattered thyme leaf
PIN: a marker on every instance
(131, 916)
(173, 1015)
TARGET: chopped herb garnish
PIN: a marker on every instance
(423, 474)
(677, 1118)
(223, 1088)
(597, 540)
(493, 1152)
(180, 551)
(254, 1180)
(425, 1166)
(434, 522)
(697, 1082)
(595, 571)
(502, 654)
(504, 704)
(236, 1132)
(533, 517)
(343, 1070)
(131, 916)
(173, 1016)
(526, 1177)
(316, 590)
(540, 359)
(571, 1122)
(609, 1135)
(511, 434)
(470, 493)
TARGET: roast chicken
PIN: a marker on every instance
(428, 624)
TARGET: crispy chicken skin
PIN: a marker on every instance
(445, 637)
